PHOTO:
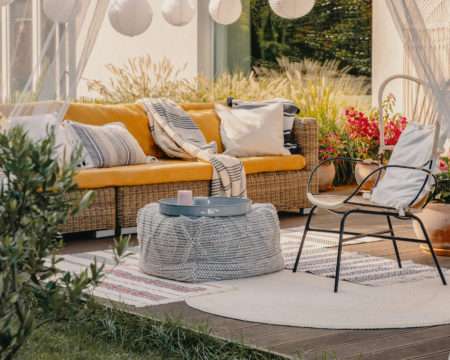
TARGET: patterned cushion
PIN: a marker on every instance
(106, 146)
(199, 249)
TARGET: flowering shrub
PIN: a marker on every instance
(442, 194)
(330, 146)
(443, 164)
(364, 130)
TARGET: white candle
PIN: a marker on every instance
(184, 197)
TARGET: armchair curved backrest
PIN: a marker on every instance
(420, 108)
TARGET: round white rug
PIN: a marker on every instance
(306, 300)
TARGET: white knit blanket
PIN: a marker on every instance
(178, 136)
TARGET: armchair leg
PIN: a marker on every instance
(427, 238)
(308, 222)
(393, 241)
(341, 241)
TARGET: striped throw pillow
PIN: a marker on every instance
(106, 146)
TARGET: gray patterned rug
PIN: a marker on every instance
(318, 259)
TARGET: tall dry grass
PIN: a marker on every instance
(321, 91)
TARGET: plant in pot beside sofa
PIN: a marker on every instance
(364, 131)
(330, 146)
(435, 216)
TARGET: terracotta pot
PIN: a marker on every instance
(362, 170)
(326, 174)
(436, 219)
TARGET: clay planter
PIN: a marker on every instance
(326, 173)
(362, 170)
(436, 219)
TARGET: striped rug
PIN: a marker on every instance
(127, 284)
(357, 268)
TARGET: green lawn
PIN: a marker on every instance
(69, 340)
(113, 334)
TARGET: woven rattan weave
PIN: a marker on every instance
(286, 190)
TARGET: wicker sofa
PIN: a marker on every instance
(122, 191)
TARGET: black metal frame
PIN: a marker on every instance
(373, 209)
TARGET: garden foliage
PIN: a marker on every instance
(364, 130)
(34, 202)
(442, 193)
(333, 30)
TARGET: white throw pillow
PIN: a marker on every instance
(255, 132)
(36, 128)
(399, 186)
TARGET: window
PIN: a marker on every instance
(232, 44)
(24, 33)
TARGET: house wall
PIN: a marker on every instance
(182, 45)
(387, 52)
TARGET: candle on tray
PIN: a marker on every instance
(184, 197)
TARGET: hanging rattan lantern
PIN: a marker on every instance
(61, 11)
(225, 12)
(5, 2)
(130, 17)
(178, 12)
(291, 9)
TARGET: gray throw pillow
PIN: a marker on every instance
(106, 146)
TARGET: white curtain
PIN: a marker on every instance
(418, 23)
(45, 59)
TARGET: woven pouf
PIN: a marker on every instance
(202, 249)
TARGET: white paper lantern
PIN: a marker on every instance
(178, 12)
(130, 17)
(291, 9)
(5, 2)
(61, 11)
(225, 12)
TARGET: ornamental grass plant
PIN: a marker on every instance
(322, 91)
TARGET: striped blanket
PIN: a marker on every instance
(178, 136)
(290, 110)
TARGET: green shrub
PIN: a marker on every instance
(442, 193)
(33, 205)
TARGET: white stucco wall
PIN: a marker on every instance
(387, 52)
(179, 44)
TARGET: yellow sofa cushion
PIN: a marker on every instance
(178, 170)
(133, 116)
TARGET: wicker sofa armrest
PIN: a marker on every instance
(306, 136)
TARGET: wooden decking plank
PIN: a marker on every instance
(256, 331)
(388, 342)
(177, 310)
(294, 334)
(444, 355)
(404, 352)
(344, 337)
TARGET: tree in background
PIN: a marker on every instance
(333, 30)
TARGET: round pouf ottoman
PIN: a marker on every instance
(199, 249)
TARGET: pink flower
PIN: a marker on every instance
(443, 166)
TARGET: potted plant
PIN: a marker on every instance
(329, 146)
(365, 132)
(435, 216)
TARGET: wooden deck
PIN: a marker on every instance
(430, 343)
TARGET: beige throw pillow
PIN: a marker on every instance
(255, 132)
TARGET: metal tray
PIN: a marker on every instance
(207, 206)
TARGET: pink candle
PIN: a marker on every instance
(184, 197)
